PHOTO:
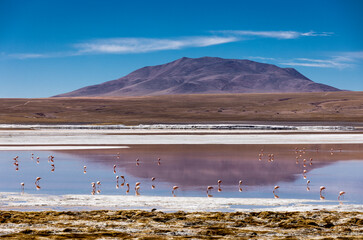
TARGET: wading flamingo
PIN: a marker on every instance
(340, 194)
(137, 188)
(98, 186)
(275, 188)
(209, 190)
(117, 177)
(321, 189)
(219, 185)
(128, 188)
(239, 186)
(114, 169)
(84, 169)
(137, 162)
(123, 183)
(22, 187)
(174, 189)
(307, 185)
(93, 188)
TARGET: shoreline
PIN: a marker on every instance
(41, 202)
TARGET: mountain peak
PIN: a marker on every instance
(205, 75)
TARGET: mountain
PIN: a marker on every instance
(204, 75)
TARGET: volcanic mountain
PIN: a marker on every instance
(204, 75)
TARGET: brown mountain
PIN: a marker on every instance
(204, 75)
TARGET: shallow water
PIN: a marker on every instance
(193, 168)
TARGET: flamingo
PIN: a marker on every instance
(114, 169)
(137, 188)
(123, 178)
(117, 177)
(219, 185)
(84, 169)
(152, 179)
(321, 189)
(159, 163)
(93, 188)
(22, 187)
(37, 180)
(128, 188)
(53, 168)
(275, 188)
(307, 185)
(239, 186)
(98, 185)
(137, 162)
(209, 189)
(174, 189)
(340, 194)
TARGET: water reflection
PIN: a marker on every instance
(191, 170)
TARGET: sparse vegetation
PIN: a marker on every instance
(328, 107)
(179, 225)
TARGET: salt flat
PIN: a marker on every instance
(9, 139)
(20, 201)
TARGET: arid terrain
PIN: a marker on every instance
(132, 224)
(205, 75)
(323, 107)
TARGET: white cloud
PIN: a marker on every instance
(142, 45)
(27, 55)
(273, 34)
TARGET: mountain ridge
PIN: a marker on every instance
(204, 75)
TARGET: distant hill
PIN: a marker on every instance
(204, 75)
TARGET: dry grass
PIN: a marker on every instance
(137, 224)
(276, 107)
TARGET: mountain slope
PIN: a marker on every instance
(204, 75)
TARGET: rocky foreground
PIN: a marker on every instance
(130, 224)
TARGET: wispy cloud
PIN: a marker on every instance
(321, 63)
(27, 55)
(273, 34)
(142, 45)
(337, 60)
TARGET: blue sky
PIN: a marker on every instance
(52, 47)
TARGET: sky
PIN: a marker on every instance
(53, 47)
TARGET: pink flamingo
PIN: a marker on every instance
(84, 169)
(340, 194)
(240, 186)
(209, 190)
(93, 188)
(275, 188)
(137, 188)
(321, 189)
(128, 188)
(98, 186)
(174, 189)
(219, 185)
(307, 185)
(117, 177)
(123, 183)
(114, 169)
